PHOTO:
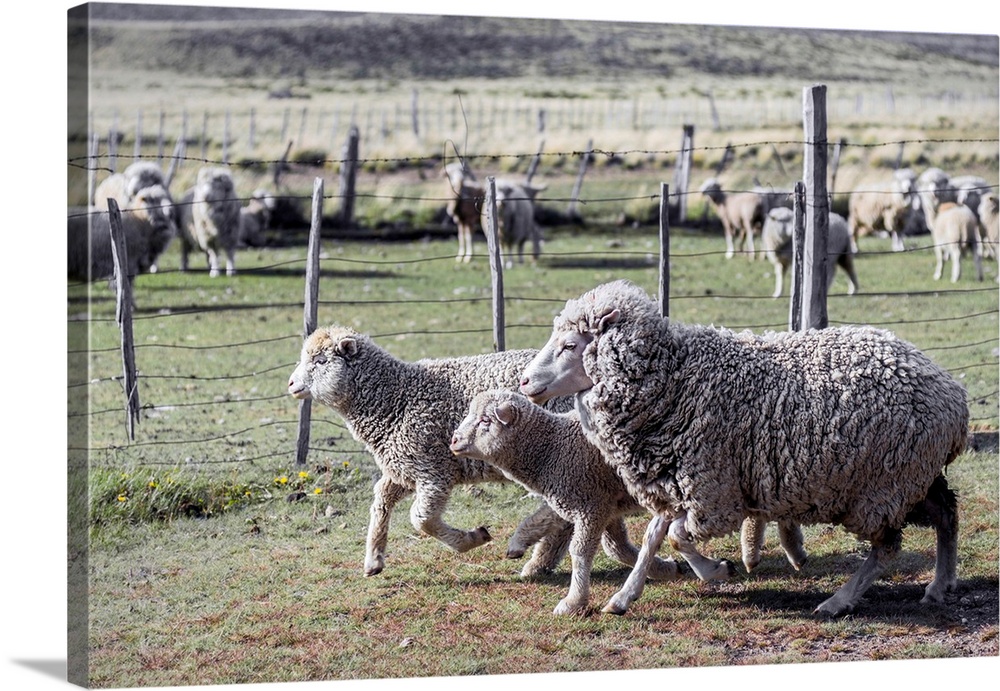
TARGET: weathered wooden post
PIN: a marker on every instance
(137, 145)
(682, 174)
(817, 209)
(492, 232)
(123, 316)
(348, 177)
(533, 166)
(798, 241)
(664, 249)
(310, 312)
(415, 113)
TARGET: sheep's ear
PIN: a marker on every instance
(607, 319)
(347, 347)
(504, 413)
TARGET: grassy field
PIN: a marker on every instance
(203, 571)
(210, 557)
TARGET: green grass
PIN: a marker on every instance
(207, 568)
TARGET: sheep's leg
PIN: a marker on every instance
(706, 569)
(425, 515)
(533, 528)
(779, 279)
(617, 545)
(230, 261)
(636, 581)
(213, 262)
(730, 247)
(548, 552)
(752, 541)
(938, 262)
(790, 536)
(897, 241)
(956, 263)
(583, 546)
(387, 495)
(939, 510)
(884, 548)
(846, 262)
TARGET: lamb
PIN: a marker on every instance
(254, 218)
(882, 207)
(210, 219)
(741, 213)
(777, 240)
(955, 228)
(988, 224)
(516, 222)
(548, 454)
(148, 227)
(404, 413)
(848, 425)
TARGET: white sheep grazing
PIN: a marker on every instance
(516, 222)
(404, 413)
(707, 426)
(209, 219)
(955, 229)
(148, 226)
(548, 454)
(777, 240)
(255, 216)
(988, 225)
(882, 207)
(741, 213)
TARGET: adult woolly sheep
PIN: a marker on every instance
(404, 413)
(148, 226)
(209, 219)
(846, 425)
(548, 454)
(777, 240)
(516, 222)
(741, 213)
(885, 206)
(955, 229)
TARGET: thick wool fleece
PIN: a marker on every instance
(405, 412)
(845, 425)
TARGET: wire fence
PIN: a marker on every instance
(175, 371)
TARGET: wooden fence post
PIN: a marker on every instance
(817, 207)
(533, 166)
(798, 241)
(95, 144)
(415, 113)
(348, 176)
(492, 232)
(310, 312)
(137, 145)
(682, 176)
(664, 249)
(123, 315)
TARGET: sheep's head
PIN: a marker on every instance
(323, 369)
(490, 420)
(156, 206)
(712, 189)
(141, 175)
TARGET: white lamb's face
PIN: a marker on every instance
(557, 369)
(322, 368)
(484, 427)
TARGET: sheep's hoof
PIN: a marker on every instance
(483, 534)
(614, 608)
(374, 570)
(515, 553)
(565, 607)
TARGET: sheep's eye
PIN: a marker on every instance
(485, 421)
(319, 359)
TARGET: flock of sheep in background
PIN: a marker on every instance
(208, 218)
(959, 212)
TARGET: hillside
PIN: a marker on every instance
(248, 43)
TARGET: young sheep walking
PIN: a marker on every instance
(548, 454)
(849, 426)
(405, 413)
